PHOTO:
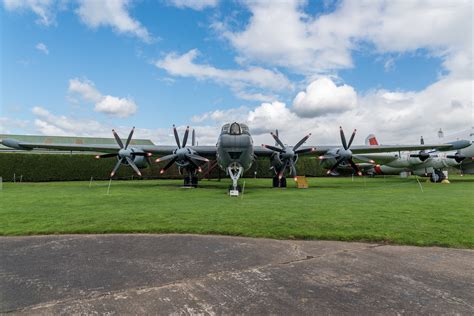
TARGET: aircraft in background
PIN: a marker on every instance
(423, 163)
(234, 153)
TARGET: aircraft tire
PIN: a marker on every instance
(275, 182)
(194, 181)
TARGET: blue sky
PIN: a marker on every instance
(205, 62)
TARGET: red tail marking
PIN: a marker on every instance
(373, 141)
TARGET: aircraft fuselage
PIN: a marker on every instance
(235, 147)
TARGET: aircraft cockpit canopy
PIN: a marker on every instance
(235, 129)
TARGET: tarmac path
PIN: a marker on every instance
(192, 274)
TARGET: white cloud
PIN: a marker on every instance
(42, 8)
(42, 48)
(113, 13)
(281, 33)
(47, 123)
(185, 66)
(394, 116)
(194, 4)
(12, 125)
(322, 96)
(120, 107)
(223, 116)
(85, 88)
(59, 125)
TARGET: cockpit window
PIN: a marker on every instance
(225, 128)
(235, 129)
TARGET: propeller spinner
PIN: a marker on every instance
(345, 154)
(182, 155)
(287, 154)
(125, 154)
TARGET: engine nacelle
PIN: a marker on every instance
(140, 161)
(13, 143)
(383, 169)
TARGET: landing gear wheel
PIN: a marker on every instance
(194, 181)
(437, 176)
(279, 183)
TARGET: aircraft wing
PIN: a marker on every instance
(378, 158)
(393, 148)
(205, 151)
(367, 149)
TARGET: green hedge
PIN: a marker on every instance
(36, 167)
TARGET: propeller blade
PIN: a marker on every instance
(197, 157)
(133, 165)
(334, 167)
(193, 138)
(293, 169)
(275, 137)
(363, 158)
(343, 138)
(282, 171)
(457, 157)
(117, 165)
(185, 138)
(422, 156)
(143, 154)
(305, 150)
(352, 138)
(354, 166)
(273, 148)
(164, 158)
(105, 156)
(176, 137)
(117, 139)
(191, 161)
(168, 165)
(129, 137)
(301, 142)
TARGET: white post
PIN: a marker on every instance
(352, 177)
(21, 178)
(243, 189)
(108, 189)
(1, 183)
(421, 187)
(90, 182)
(14, 178)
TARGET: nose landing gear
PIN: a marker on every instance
(235, 171)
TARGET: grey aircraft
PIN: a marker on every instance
(421, 163)
(234, 152)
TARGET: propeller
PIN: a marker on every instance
(345, 154)
(125, 155)
(422, 155)
(182, 155)
(288, 154)
(458, 157)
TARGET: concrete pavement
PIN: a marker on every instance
(190, 274)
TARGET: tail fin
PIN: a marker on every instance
(371, 140)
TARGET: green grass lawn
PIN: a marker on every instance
(389, 210)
